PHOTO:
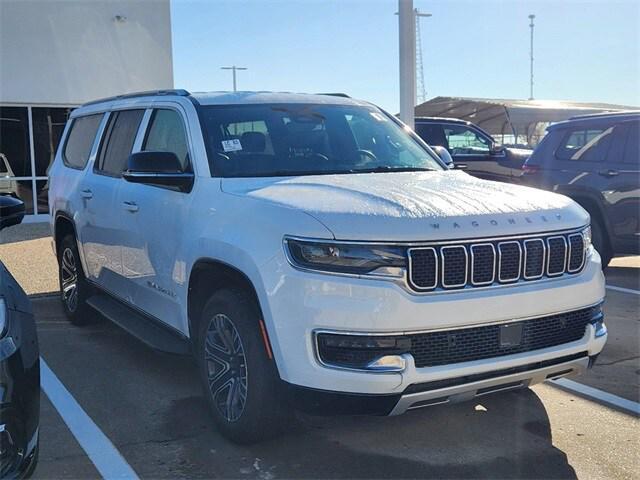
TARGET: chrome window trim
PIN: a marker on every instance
(544, 257)
(466, 262)
(493, 273)
(584, 252)
(409, 268)
(517, 277)
(564, 265)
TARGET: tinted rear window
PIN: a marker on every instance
(81, 137)
(119, 139)
(588, 144)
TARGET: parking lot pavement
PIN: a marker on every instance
(151, 408)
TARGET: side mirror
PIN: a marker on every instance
(497, 150)
(444, 155)
(11, 211)
(158, 168)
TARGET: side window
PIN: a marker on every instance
(465, 141)
(166, 133)
(118, 141)
(632, 146)
(586, 144)
(80, 140)
(432, 134)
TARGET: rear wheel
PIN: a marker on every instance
(600, 241)
(240, 381)
(74, 288)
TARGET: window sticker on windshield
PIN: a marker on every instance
(231, 145)
(378, 116)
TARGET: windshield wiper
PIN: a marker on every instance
(387, 168)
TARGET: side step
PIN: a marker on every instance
(148, 330)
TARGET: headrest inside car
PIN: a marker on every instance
(253, 142)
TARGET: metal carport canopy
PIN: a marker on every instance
(501, 116)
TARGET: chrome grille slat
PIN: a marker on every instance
(509, 261)
(484, 263)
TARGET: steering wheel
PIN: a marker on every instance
(319, 156)
(368, 153)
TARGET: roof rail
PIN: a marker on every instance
(605, 114)
(150, 93)
(337, 94)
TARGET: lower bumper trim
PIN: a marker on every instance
(467, 388)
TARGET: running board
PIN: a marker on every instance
(148, 330)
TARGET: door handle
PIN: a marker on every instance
(460, 166)
(609, 173)
(86, 193)
(131, 206)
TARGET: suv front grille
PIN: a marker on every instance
(503, 261)
(477, 343)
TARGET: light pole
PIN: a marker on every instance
(233, 68)
(531, 25)
(407, 44)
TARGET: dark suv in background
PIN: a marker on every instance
(595, 160)
(473, 149)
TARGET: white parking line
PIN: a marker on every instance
(623, 290)
(107, 459)
(603, 397)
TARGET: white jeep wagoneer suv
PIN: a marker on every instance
(310, 250)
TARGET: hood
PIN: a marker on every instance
(414, 206)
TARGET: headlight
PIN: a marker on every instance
(586, 238)
(346, 257)
(3, 317)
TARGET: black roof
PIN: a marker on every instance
(442, 120)
(597, 118)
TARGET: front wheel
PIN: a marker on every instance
(240, 381)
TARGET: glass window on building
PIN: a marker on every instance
(48, 126)
(15, 156)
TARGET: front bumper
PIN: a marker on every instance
(456, 390)
(297, 304)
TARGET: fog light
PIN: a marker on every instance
(388, 363)
(376, 353)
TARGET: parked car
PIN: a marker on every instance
(19, 367)
(595, 160)
(473, 149)
(309, 251)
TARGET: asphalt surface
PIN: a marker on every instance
(150, 406)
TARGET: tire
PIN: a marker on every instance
(600, 241)
(242, 388)
(74, 288)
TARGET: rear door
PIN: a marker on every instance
(621, 177)
(153, 221)
(100, 233)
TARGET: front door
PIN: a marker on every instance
(153, 220)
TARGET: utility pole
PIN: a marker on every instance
(531, 25)
(421, 90)
(233, 68)
(407, 70)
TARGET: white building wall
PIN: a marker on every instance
(68, 52)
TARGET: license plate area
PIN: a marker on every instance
(510, 335)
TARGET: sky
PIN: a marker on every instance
(584, 51)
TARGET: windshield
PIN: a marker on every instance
(308, 139)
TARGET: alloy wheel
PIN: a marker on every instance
(226, 367)
(69, 279)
